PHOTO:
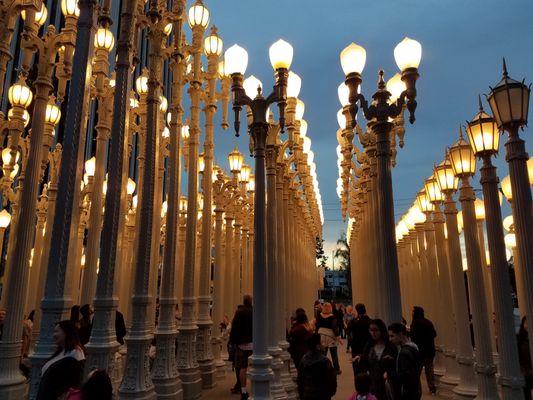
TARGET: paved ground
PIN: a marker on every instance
(344, 384)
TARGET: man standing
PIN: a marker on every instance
(359, 333)
(405, 377)
(423, 334)
(241, 337)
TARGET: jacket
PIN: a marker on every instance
(59, 377)
(317, 380)
(359, 334)
(405, 377)
(376, 367)
(297, 339)
(242, 326)
(423, 334)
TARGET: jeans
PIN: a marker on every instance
(334, 357)
(430, 375)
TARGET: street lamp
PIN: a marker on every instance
(509, 102)
(483, 134)
(382, 109)
(464, 166)
(236, 60)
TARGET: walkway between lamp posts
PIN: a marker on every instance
(345, 385)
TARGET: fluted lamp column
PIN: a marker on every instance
(509, 102)
(448, 183)
(463, 165)
(484, 137)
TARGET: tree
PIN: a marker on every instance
(320, 254)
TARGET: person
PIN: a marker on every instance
(404, 378)
(317, 309)
(64, 369)
(241, 337)
(298, 335)
(362, 388)
(27, 327)
(120, 327)
(423, 334)
(376, 359)
(359, 332)
(86, 323)
(2, 319)
(338, 310)
(328, 329)
(524, 357)
(347, 319)
(316, 378)
(97, 387)
(75, 315)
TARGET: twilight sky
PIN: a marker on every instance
(462, 45)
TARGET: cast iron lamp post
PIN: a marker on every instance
(484, 137)
(353, 57)
(236, 60)
(448, 184)
(509, 102)
(464, 166)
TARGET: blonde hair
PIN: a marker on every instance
(327, 308)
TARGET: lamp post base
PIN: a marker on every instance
(260, 375)
(191, 380)
(277, 389)
(205, 354)
(220, 365)
(286, 378)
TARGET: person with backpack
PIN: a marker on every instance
(404, 379)
(317, 379)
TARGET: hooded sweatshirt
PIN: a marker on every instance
(405, 378)
(317, 380)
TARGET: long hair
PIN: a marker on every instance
(98, 386)
(72, 339)
(75, 313)
(382, 328)
(522, 332)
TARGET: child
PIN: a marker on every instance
(362, 388)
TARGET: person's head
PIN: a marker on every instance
(378, 331)
(362, 383)
(349, 310)
(327, 308)
(75, 313)
(86, 311)
(301, 318)
(313, 342)
(418, 312)
(397, 333)
(247, 300)
(97, 387)
(360, 308)
(2, 315)
(31, 316)
(66, 336)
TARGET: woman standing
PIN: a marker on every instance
(327, 327)
(378, 357)
(64, 369)
(300, 332)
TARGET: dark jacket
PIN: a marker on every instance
(423, 334)
(241, 326)
(297, 339)
(405, 377)
(120, 327)
(359, 334)
(317, 380)
(376, 367)
(525, 358)
(86, 327)
(329, 322)
(59, 377)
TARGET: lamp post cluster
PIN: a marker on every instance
(423, 232)
(93, 210)
(291, 220)
(364, 185)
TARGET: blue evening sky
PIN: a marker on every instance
(462, 41)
